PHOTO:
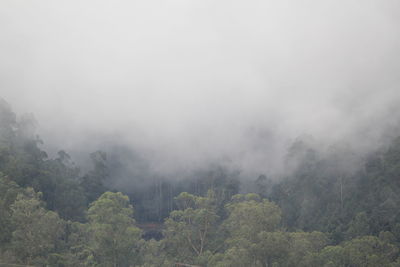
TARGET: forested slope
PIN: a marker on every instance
(332, 209)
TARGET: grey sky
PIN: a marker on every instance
(188, 82)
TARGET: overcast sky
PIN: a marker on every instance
(188, 82)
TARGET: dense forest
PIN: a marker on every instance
(333, 208)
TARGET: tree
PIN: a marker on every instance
(93, 182)
(62, 192)
(263, 186)
(37, 231)
(154, 254)
(358, 226)
(249, 215)
(189, 231)
(273, 247)
(114, 238)
(236, 256)
(8, 193)
(303, 245)
(328, 256)
(369, 251)
(8, 123)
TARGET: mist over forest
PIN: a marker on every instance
(200, 133)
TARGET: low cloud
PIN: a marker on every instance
(188, 83)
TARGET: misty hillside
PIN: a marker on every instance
(332, 207)
(212, 133)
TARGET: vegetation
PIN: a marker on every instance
(324, 213)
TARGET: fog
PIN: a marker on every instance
(186, 83)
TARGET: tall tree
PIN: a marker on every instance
(93, 182)
(37, 231)
(190, 232)
(115, 240)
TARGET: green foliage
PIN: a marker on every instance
(190, 232)
(370, 251)
(331, 209)
(363, 251)
(273, 247)
(359, 226)
(93, 182)
(37, 231)
(8, 124)
(249, 215)
(114, 238)
(8, 194)
(303, 245)
(235, 257)
(154, 254)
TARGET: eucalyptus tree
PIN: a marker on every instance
(114, 238)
